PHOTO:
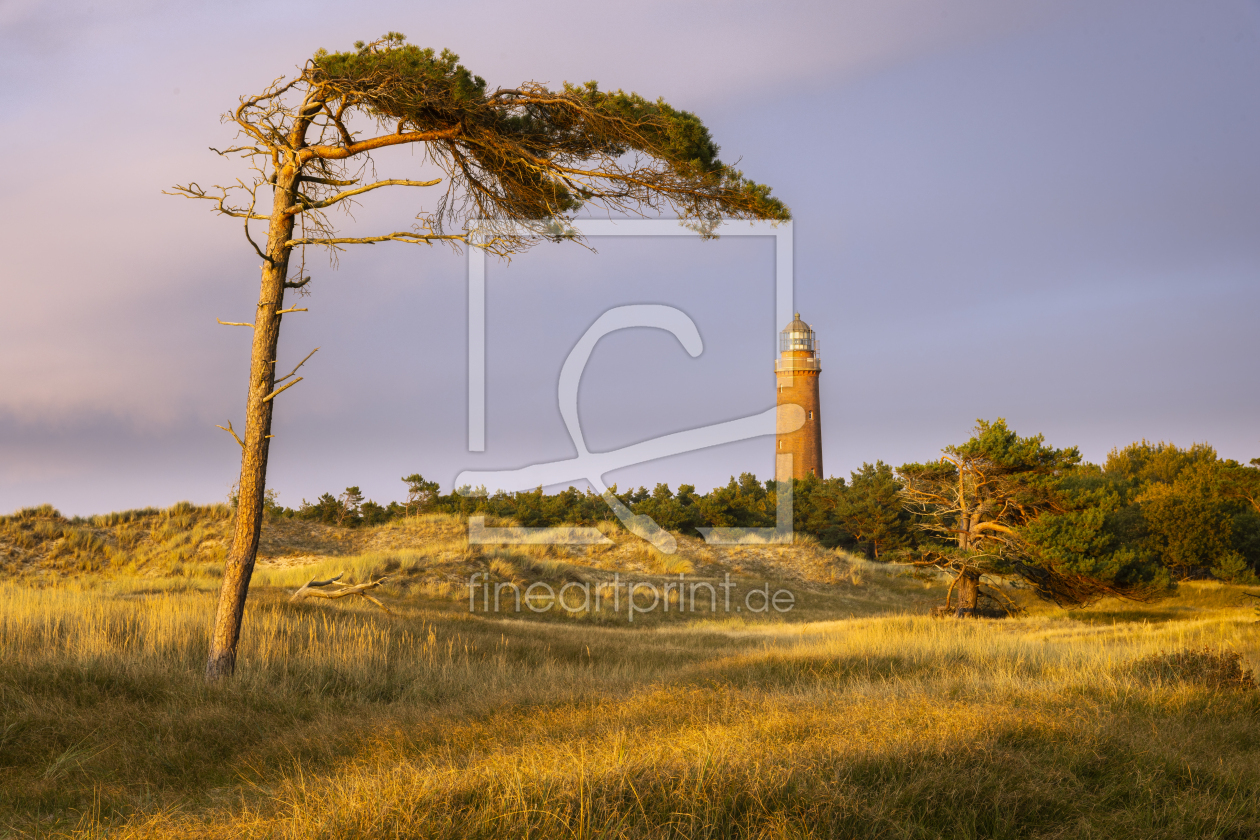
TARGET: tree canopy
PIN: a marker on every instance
(531, 153)
(517, 161)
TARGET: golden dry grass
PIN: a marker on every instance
(349, 723)
(852, 716)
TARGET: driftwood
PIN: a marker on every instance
(312, 589)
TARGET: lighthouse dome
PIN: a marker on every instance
(796, 336)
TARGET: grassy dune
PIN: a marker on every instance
(852, 716)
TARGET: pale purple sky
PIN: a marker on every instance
(1048, 211)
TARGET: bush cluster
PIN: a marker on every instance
(860, 514)
(1184, 510)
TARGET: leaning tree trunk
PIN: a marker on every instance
(968, 592)
(258, 411)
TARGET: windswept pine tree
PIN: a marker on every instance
(517, 163)
(1005, 506)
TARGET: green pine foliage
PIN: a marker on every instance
(1010, 507)
(865, 515)
(1193, 510)
(871, 514)
(1151, 515)
(1086, 538)
(494, 141)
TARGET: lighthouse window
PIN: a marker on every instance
(811, 415)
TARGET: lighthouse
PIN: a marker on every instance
(798, 453)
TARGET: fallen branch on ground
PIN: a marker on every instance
(312, 590)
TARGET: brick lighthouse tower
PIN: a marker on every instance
(796, 374)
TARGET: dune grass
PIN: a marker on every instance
(853, 715)
(184, 540)
(348, 722)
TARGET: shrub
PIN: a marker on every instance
(1234, 568)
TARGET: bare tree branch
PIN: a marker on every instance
(280, 390)
(310, 179)
(341, 196)
(253, 197)
(252, 150)
(352, 149)
(228, 428)
(194, 190)
(398, 236)
(299, 364)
